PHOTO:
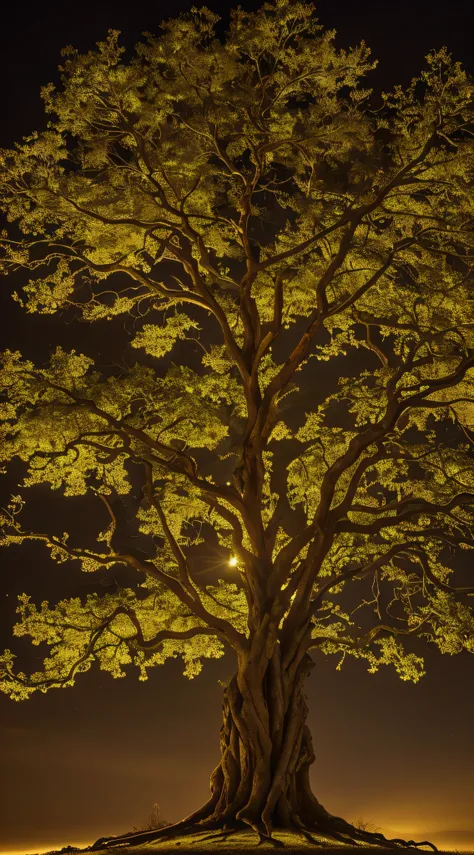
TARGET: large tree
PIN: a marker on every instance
(297, 258)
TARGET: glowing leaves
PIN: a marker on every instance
(217, 359)
(74, 427)
(450, 623)
(220, 381)
(408, 666)
(459, 400)
(227, 600)
(366, 395)
(94, 310)
(159, 340)
(243, 193)
(322, 445)
(51, 424)
(200, 400)
(386, 651)
(68, 367)
(18, 687)
(192, 652)
(46, 294)
(182, 505)
(17, 386)
(112, 630)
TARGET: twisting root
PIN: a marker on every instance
(179, 829)
(223, 835)
(266, 838)
(335, 826)
(304, 833)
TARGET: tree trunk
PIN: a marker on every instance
(262, 778)
(266, 750)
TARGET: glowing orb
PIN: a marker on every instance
(233, 561)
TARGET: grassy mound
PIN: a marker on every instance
(234, 842)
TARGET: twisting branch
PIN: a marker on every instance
(164, 634)
(88, 653)
(175, 548)
(365, 640)
(187, 597)
(396, 406)
(359, 571)
(422, 506)
(122, 428)
(113, 518)
(423, 559)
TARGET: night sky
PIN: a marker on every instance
(90, 761)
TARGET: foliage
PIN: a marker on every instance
(298, 266)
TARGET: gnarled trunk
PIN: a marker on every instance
(262, 778)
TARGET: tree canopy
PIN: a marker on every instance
(294, 424)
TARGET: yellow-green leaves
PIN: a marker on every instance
(159, 340)
(102, 630)
(292, 273)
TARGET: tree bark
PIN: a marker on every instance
(262, 778)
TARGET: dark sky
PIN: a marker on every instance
(89, 761)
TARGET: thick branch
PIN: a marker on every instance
(164, 634)
(422, 506)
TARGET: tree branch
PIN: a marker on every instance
(422, 507)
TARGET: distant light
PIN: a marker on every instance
(233, 561)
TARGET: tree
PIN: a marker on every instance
(308, 252)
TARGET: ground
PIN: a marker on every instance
(247, 840)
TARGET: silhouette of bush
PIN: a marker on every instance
(155, 820)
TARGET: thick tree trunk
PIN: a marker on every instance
(266, 750)
(262, 778)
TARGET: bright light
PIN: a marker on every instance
(233, 561)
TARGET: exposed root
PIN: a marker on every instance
(179, 829)
(377, 837)
(266, 838)
(330, 826)
(341, 830)
(223, 835)
(309, 837)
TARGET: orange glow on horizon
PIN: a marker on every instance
(45, 847)
(444, 842)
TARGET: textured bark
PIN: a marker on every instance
(265, 748)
